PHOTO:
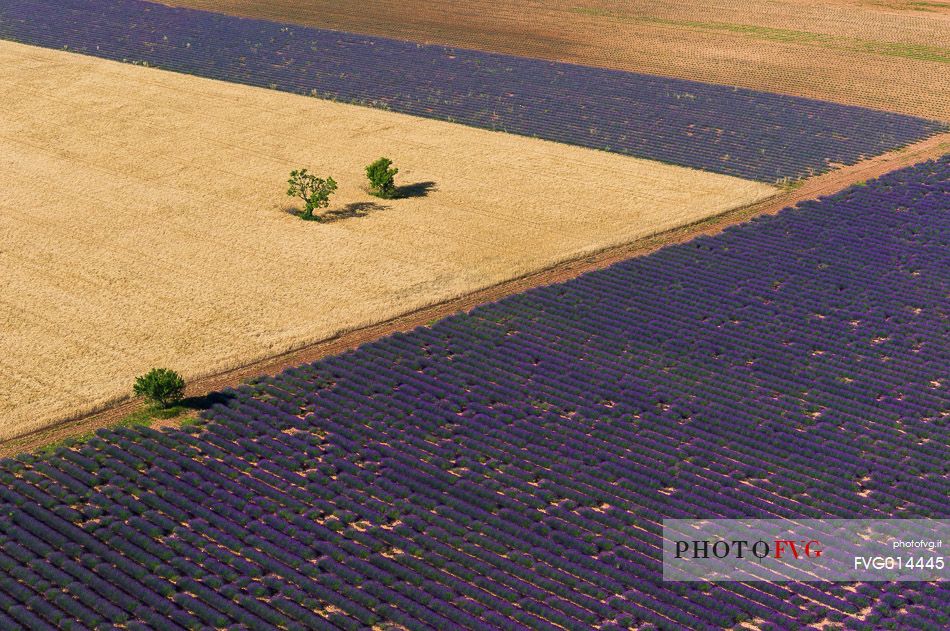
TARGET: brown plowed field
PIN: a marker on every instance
(885, 54)
(825, 184)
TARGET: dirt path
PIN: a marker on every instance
(821, 185)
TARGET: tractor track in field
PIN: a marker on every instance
(821, 185)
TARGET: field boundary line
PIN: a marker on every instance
(821, 185)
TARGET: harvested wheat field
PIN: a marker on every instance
(144, 222)
(885, 54)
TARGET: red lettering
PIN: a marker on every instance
(781, 544)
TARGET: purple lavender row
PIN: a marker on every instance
(723, 129)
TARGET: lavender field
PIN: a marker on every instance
(727, 130)
(509, 468)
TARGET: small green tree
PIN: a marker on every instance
(314, 191)
(381, 178)
(160, 386)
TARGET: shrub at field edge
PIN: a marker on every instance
(161, 387)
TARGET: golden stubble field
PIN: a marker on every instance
(885, 54)
(143, 222)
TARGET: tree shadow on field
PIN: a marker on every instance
(418, 189)
(205, 401)
(353, 209)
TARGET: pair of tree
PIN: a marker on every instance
(315, 191)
